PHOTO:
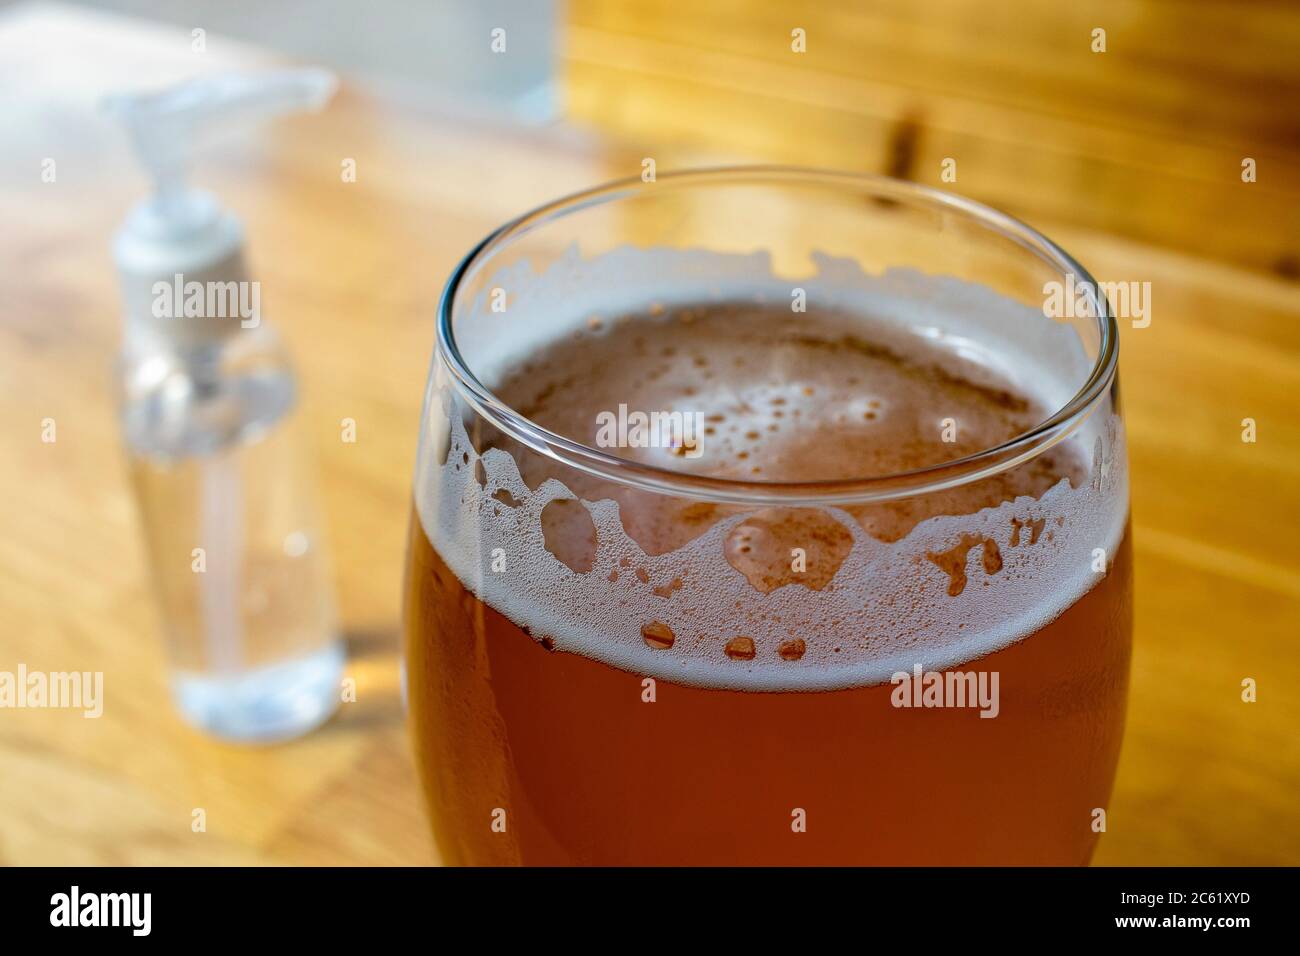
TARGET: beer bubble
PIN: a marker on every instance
(658, 635)
(992, 557)
(570, 534)
(741, 649)
(760, 546)
(667, 590)
(792, 650)
(953, 561)
(1035, 526)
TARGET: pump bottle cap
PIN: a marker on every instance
(183, 232)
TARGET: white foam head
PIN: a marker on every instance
(892, 611)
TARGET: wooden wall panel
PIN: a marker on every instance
(1145, 140)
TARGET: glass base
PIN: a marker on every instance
(266, 705)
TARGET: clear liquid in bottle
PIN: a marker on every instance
(234, 539)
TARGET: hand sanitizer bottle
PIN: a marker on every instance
(226, 498)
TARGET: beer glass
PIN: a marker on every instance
(769, 516)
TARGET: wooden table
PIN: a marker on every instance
(350, 273)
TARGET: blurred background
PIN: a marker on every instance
(1144, 140)
(1165, 148)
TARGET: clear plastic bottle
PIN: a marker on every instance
(208, 394)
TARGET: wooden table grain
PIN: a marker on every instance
(350, 273)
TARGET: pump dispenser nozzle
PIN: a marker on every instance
(180, 230)
(165, 126)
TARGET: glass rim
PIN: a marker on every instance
(918, 481)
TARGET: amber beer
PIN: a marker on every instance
(779, 743)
